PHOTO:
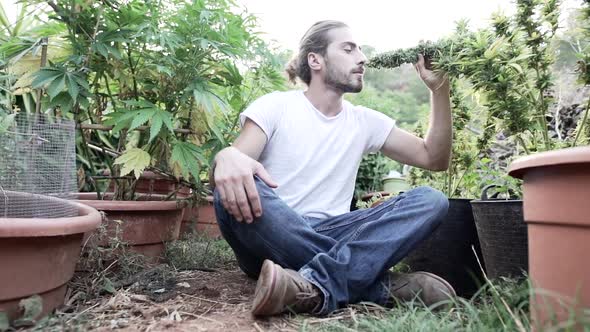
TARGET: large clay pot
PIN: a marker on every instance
(556, 191)
(145, 224)
(201, 220)
(38, 255)
(449, 251)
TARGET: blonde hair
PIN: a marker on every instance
(315, 40)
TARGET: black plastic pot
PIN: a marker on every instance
(502, 235)
(448, 251)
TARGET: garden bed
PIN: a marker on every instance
(204, 290)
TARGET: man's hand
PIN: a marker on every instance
(234, 179)
(434, 81)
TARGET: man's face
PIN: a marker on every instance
(344, 62)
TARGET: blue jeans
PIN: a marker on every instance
(345, 256)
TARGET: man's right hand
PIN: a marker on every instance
(234, 179)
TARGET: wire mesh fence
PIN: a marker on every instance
(37, 165)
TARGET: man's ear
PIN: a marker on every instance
(315, 61)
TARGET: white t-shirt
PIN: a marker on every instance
(314, 158)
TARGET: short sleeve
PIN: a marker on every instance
(265, 112)
(377, 126)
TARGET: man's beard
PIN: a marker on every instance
(342, 82)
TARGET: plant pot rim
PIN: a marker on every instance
(577, 155)
(88, 219)
(152, 202)
(496, 200)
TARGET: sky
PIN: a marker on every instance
(383, 24)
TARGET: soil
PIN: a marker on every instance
(161, 299)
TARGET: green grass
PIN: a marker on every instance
(501, 306)
(198, 253)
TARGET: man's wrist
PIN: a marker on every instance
(443, 90)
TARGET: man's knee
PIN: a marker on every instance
(435, 202)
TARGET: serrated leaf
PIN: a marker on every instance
(56, 86)
(63, 101)
(159, 118)
(73, 88)
(133, 160)
(81, 81)
(155, 127)
(141, 117)
(187, 156)
(44, 76)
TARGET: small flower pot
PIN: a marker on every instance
(556, 192)
(39, 255)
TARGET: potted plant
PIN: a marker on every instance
(41, 231)
(556, 187)
(153, 86)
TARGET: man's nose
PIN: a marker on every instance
(363, 58)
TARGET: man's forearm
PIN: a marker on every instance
(440, 133)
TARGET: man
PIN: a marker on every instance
(283, 190)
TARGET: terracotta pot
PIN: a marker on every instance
(38, 255)
(201, 220)
(153, 183)
(145, 225)
(556, 191)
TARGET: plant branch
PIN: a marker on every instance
(140, 128)
(584, 120)
(116, 154)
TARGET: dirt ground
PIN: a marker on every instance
(160, 299)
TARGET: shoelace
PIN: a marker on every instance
(307, 299)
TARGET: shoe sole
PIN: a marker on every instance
(441, 280)
(264, 288)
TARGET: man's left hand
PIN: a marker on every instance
(433, 80)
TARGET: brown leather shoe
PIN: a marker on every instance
(427, 287)
(279, 290)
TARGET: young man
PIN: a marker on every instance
(283, 190)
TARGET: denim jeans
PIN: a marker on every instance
(345, 256)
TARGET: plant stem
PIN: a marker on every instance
(521, 141)
(584, 120)
(542, 120)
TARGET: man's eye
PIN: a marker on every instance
(347, 50)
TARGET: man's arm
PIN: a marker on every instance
(434, 151)
(250, 142)
(233, 170)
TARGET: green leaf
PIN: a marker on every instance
(63, 101)
(187, 156)
(108, 286)
(56, 86)
(44, 76)
(141, 117)
(73, 88)
(159, 118)
(4, 325)
(32, 308)
(6, 122)
(133, 160)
